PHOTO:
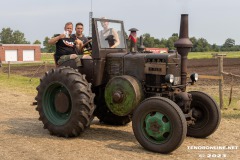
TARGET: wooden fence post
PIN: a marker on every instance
(45, 66)
(220, 69)
(1, 66)
(9, 68)
(220, 74)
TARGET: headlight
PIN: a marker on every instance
(194, 77)
(169, 78)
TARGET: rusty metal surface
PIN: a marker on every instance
(114, 65)
(134, 65)
(123, 94)
(183, 46)
(142, 47)
(184, 40)
(155, 68)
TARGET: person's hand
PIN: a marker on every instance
(73, 56)
(87, 57)
(78, 42)
(61, 36)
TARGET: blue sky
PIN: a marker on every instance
(214, 20)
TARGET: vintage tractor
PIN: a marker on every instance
(118, 86)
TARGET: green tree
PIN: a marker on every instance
(8, 36)
(229, 43)
(148, 41)
(37, 42)
(151, 42)
(171, 40)
(175, 35)
(194, 42)
(202, 45)
(163, 43)
(49, 48)
(215, 48)
(18, 38)
(156, 43)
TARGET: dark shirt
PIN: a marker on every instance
(83, 39)
(65, 46)
(107, 40)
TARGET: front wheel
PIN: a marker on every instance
(206, 113)
(159, 125)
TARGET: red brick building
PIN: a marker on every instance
(20, 52)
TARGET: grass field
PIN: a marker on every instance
(47, 57)
(202, 55)
(19, 83)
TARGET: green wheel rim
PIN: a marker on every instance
(129, 91)
(156, 127)
(49, 108)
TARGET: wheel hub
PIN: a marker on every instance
(118, 97)
(157, 126)
(123, 94)
(61, 102)
(197, 114)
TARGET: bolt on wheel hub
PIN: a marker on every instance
(157, 126)
(61, 102)
(118, 97)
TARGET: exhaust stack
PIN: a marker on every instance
(183, 46)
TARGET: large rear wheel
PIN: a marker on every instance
(159, 125)
(65, 102)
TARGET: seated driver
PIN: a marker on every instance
(79, 35)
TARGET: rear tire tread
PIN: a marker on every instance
(82, 110)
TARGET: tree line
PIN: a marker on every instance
(8, 36)
(199, 44)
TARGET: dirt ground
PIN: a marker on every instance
(22, 135)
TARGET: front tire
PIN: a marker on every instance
(159, 125)
(207, 114)
(65, 102)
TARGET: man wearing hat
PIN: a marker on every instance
(133, 39)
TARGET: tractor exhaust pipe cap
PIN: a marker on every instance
(184, 40)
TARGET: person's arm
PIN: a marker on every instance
(54, 40)
(79, 44)
(117, 41)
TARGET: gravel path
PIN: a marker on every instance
(22, 137)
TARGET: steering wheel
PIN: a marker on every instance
(89, 44)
